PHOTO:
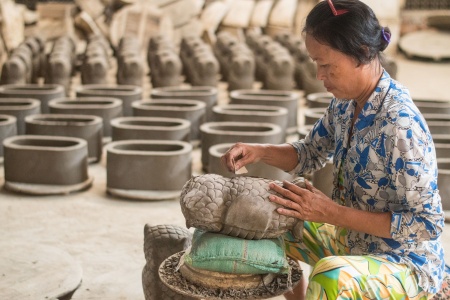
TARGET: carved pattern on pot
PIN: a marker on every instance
(104, 107)
(160, 242)
(148, 169)
(46, 165)
(8, 128)
(286, 99)
(42, 92)
(20, 108)
(237, 206)
(126, 93)
(191, 110)
(87, 127)
(150, 128)
(214, 133)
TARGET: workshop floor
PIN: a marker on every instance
(105, 235)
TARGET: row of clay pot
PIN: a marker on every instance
(164, 62)
(237, 62)
(130, 64)
(61, 63)
(96, 61)
(25, 63)
(274, 63)
(200, 66)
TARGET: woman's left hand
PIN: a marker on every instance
(308, 204)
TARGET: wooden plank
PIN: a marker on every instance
(181, 11)
(239, 13)
(283, 13)
(94, 8)
(261, 12)
(303, 9)
(13, 28)
(213, 14)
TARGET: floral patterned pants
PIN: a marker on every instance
(338, 275)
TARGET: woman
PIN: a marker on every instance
(379, 235)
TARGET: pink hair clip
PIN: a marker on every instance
(336, 12)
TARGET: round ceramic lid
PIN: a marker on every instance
(432, 44)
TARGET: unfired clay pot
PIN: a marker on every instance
(312, 115)
(42, 92)
(439, 124)
(126, 93)
(433, 106)
(286, 99)
(214, 133)
(443, 180)
(87, 127)
(20, 108)
(316, 100)
(45, 165)
(442, 146)
(258, 169)
(148, 170)
(150, 128)
(191, 110)
(106, 108)
(206, 94)
(8, 127)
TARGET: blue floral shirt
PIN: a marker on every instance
(390, 165)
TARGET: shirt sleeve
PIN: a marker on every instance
(318, 146)
(418, 215)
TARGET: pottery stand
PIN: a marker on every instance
(20, 108)
(147, 170)
(87, 127)
(150, 128)
(8, 128)
(42, 92)
(258, 169)
(103, 107)
(46, 165)
(191, 110)
(214, 133)
(126, 93)
(286, 99)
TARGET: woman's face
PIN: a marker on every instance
(340, 73)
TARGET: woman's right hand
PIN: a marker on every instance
(241, 154)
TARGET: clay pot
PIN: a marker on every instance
(258, 169)
(206, 94)
(304, 130)
(317, 100)
(442, 145)
(252, 113)
(150, 128)
(312, 115)
(104, 107)
(42, 92)
(439, 124)
(126, 93)
(20, 108)
(288, 100)
(89, 128)
(214, 133)
(8, 127)
(148, 170)
(191, 110)
(44, 165)
(432, 106)
(443, 180)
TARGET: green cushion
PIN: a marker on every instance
(223, 253)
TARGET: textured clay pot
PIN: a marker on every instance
(148, 170)
(191, 110)
(87, 127)
(286, 99)
(126, 93)
(206, 94)
(8, 128)
(214, 133)
(45, 165)
(106, 108)
(443, 180)
(42, 92)
(312, 115)
(258, 169)
(150, 128)
(251, 113)
(20, 108)
(316, 100)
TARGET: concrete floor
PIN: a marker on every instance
(105, 235)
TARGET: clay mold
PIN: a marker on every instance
(20, 108)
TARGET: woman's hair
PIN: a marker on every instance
(354, 30)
